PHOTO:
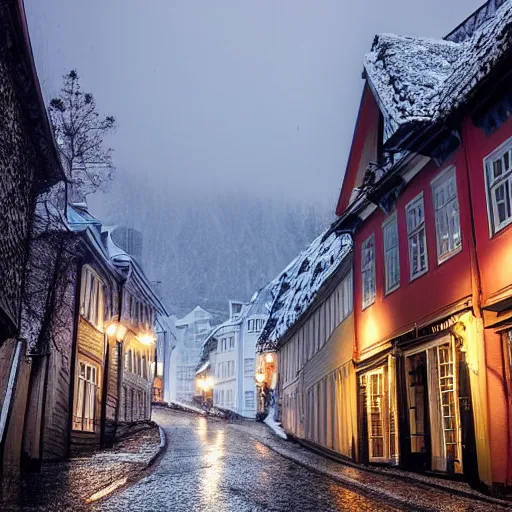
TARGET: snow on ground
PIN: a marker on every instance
(274, 425)
(186, 407)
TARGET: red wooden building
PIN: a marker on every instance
(427, 195)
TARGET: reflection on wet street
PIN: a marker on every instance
(210, 466)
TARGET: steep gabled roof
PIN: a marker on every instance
(191, 317)
(407, 75)
(419, 82)
(295, 289)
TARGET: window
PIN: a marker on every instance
(231, 342)
(446, 208)
(128, 362)
(255, 325)
(368, 271)
(249, 367)
(415, 213)
(346, 286)
(249, 399)
(498, 170)
(391, 256)
(92, 298)
(376, 415)
(144, 367)
(85, 404)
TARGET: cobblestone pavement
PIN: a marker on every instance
(67, 485)
(214, 465)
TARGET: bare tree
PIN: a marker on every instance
(80, 131)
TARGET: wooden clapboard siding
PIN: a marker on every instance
(335, 353)
(317, 378)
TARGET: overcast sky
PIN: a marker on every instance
(218, 94)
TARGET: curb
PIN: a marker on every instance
(347, 482)
(161, 447)
(368, 489)
(409, 478)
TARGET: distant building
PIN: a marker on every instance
(166, 343)
(192, 330)
(229, 357)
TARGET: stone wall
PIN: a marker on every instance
(18, 171)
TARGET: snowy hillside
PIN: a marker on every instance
(208, 250)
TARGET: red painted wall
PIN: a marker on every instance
(494, 254)
(427, 295)
(363, 142)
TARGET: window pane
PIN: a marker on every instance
(497, 168)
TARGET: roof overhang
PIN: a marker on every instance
(50, 169)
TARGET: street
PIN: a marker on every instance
(209, 465)
(214, 465)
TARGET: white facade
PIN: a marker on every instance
(233, 362)
(191, 331)
(165, 346)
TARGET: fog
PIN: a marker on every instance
(216, 98)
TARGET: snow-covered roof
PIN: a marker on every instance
(198, 313)
(295, 289)
(418, 80)
(259, 304)
(116, 259)
(203, 367)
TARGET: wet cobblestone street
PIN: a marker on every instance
(209, 465)
(214, 465)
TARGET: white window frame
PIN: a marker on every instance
(249, 366)
(440, 180)
(92, 301)
(392, 220)
(347, 288)
(85, 410)
(491, 184)
(368, 270)
(415, 231)
(252, 400)
(383, 407)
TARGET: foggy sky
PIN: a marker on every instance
(224, 95)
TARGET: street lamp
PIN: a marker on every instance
(260, 378)
(111, 329)
(208, 384)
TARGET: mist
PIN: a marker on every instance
(224, 109)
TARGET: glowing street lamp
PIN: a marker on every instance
(207, 383)
(111, 329)
(146, 339)
(260, 378)
(269, 358)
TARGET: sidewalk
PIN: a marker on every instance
(415, 491)
(71, 484)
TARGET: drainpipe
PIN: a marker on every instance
(480, 398)
(476, 284)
